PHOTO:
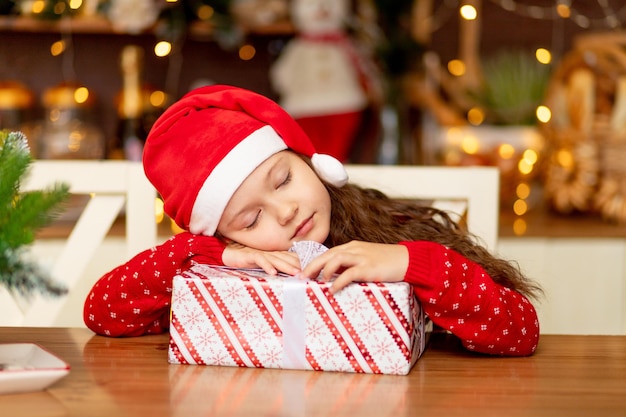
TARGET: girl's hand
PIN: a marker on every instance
(239, 256)
(360, 261)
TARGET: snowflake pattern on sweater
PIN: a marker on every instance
(457, 294)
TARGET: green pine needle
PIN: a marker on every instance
(22, 214)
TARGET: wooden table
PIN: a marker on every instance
(568, 376)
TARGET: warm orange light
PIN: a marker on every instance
(157, 98)
(543, 55)
(544, 114)
(522, 190)
(563, 10)
(81, 94)
(476, 116)
(456, 67)
(159, 211)
(468, 12)
(175, 228)
(565, 158)
(525, 167)
(247, 52)
(519, 227)
(530, 156)
(38, 6)
(520, 207)
(162, 48)
(205, 12)
(506, 151)
(57, 48)
(470, 144)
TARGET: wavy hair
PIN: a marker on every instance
(369, 215)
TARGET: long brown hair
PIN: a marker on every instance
(369, 215)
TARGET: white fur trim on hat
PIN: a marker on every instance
(329, 169)
(228, 175)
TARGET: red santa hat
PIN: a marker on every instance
(205, 145)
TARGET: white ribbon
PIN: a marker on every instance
(294, 323)
(294, 308)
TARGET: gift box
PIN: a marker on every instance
(246, 318)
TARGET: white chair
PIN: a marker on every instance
(115, 187)
(469, 191)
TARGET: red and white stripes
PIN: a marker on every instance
(223, 316)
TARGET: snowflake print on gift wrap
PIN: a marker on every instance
(272, 357)
(397, 368)
(383, 348)
(181, 298)
(232, 292)
(219, 357)
(192, 318)
(259, 335)
(246, 313)
(356, 306)
(367, 327)
(206, 340)
(316, 330)
(326, 353)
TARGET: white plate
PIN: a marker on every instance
(28, 367)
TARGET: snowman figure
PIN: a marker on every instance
(320, 77)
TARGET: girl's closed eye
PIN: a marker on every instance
(254, 221)
(286, 181)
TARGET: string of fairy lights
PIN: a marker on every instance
(561, 9)
(609, 16)
(564, 9)
(558, 12)
(598, 14)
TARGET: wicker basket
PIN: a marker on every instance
(586, 137)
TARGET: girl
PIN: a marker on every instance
(241, 177)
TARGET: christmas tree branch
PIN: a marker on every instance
(22, 214)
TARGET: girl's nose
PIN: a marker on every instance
(285, 211)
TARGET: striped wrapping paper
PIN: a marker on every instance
(246, 318)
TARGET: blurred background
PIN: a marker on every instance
(535, 87)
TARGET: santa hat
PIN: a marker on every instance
(205, 145)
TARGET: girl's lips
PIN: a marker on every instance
(304, 227)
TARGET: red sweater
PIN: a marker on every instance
(457, 294)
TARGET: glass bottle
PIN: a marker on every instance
(131, 132)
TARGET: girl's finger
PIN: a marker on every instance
(313, 268)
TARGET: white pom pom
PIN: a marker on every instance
(329, 169)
